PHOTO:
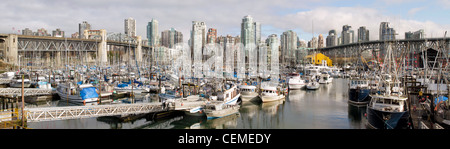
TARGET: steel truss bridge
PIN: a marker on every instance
(379, 47)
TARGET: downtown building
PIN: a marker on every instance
(386, 33)
(197, 43)
(82, 27)
(250, 39)
(347, 35)
(152, 33)
(288, 46)
(130, 27)
(332, 38)
(363, 34)
(169, 38)
(420, 34)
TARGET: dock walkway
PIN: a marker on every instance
(10, 92)
(76, 112)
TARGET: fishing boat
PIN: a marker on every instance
(359, 91)
(295, 81)
(82, 93)
(270, 93)
(387, 112)
(218, 109)
(16, 81)
(248, 93)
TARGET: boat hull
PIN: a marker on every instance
(19, 85)
(386, 120)
(266, 98)
(359, 96)
(213, 114)
(248, 96)
(293, 86)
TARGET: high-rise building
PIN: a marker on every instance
(363, 34)
(27, 31)
(247, 30)
(198, 41)
(83, 26)
(257, 27)
(288, 46)
(152, 33)
(171, 37)
(211, 36)
(58, 33)
(386, 33)
(420, 34)
(320, 42)
(347, 34)
(130, 27)
(332, 38)
(41, 32)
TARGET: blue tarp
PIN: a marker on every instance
(89, 92)
(440, 99)
(122, 85)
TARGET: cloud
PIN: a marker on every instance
(413, 11)
(327, 18)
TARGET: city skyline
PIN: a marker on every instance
(275, 18)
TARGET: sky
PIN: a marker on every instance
(307, 18)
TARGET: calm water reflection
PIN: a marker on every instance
(324, 108)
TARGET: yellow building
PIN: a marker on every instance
(319, 59)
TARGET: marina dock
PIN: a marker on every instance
(76, 112)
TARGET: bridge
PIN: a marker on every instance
(56, 50)
(378, 47)
(77, 112)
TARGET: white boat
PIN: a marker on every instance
(313, 85)
(7, 75)
(16, 81)
(248, 92)
(229, 96)
(220, 109)
(83, 93)
(388, 112)
(294, 81)
(270, 93)
(325, 78)
(130, 88)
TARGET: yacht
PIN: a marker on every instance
(294, 81)
(325, 78)
(16, 81)
(313, 84)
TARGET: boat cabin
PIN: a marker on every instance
(388, 103)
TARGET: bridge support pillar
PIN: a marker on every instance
(101, 52)
(10, 52)
(139, 49)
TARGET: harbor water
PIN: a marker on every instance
(325, 108)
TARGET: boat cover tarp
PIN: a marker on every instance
(89, 92)
(440, 99)
(122, 85)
